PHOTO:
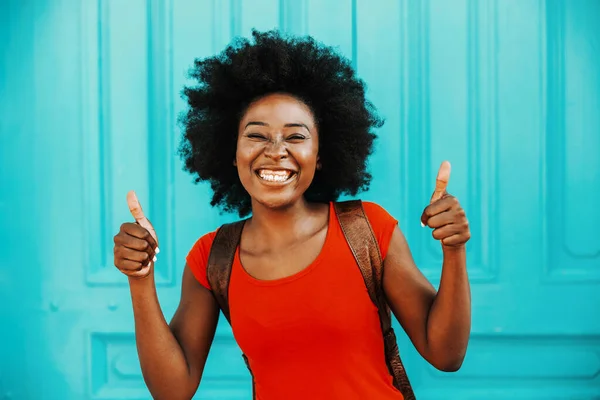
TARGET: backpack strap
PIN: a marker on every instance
(220, 261)
(218, 271)
(363, 244)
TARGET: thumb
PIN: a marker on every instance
(136, 211)
(441, 182)
(135, 207)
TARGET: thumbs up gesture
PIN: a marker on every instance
(444, 213)
(136, 244)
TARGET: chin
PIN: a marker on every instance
(277, 202)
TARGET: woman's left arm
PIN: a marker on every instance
(437, 323)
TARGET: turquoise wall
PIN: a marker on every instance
(507, 90)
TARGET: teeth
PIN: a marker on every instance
(274, 176)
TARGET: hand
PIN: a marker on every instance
(136, 244)
(444, 213)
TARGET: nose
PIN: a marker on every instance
(276, 149)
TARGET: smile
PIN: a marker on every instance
(275, 176)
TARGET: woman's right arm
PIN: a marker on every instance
(172, 357)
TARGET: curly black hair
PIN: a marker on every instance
(275, 63)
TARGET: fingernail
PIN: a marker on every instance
(422, 224)
(157, 251)
(154, 259)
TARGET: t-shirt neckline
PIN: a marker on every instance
(303, 272)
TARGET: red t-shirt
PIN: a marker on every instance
(315, 334)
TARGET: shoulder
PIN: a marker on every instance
(375, 212)
(197, 257)
(382, 222)
(204, 243)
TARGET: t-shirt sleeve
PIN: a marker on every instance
(197, 258)
(383, 225)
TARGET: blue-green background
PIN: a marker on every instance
(507, 90)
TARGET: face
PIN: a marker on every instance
(277, 150)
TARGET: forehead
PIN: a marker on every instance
(278, 109)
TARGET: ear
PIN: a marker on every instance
(319, 166)
(234, 163)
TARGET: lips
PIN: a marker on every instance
(275, 175)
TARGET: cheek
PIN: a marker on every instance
(308, 157)
(244, 154)
(245, 158)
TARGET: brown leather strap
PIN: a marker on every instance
(220, 261)
(218, 271)
(363, 244)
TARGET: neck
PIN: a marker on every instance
(280, 225)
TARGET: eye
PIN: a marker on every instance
(296, 137)
(256, 136)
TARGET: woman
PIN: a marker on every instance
(280, 128)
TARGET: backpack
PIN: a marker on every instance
(363, 244)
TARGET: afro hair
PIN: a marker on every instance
(274, 63)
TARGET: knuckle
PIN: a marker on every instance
(118, 238)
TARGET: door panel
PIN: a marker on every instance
(508, 91)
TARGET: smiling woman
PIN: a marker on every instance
(280, 127)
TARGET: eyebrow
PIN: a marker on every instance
(292, 125)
